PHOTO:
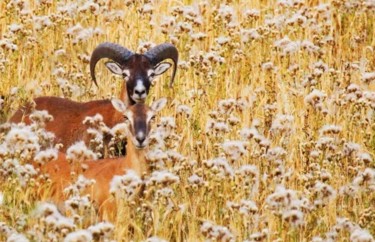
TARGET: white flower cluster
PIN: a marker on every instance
(22, 139)
(81, 34)
(165, 136)
(79, 186)
(21, 145)
(101, 231)
(368, 77)
(248, 35)
(97, 130)
(275, 155)
(282, 124)
(184, 110)
(323, 194)
(126, 186)
(196, 180)
(157, 157)
(45, 156)
(40, 118)
(258, 236)
(164, 178)
(316, 99)
(357, 234)
(64, 228)
(219, 166)
(216, 232)
(286, 203)
(223, 119)
(41, 22)
(288, 122)
(51, 217)
(78, 204)
(244, 207)
(234, 149)
(363, 182)
(69, 90)
(79, 152)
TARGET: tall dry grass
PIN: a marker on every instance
(273, 105)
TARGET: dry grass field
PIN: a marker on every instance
(268, 133)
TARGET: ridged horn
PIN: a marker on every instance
(162, 52)
(111, 51)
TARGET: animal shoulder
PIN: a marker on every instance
(102, 167)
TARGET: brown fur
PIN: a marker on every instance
(102, 171)
(68, 117)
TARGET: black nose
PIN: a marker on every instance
(140, 92)
(141, 139)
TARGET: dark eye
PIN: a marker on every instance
(152, 119)
(125, 76)
(152, 74)
(126, 119)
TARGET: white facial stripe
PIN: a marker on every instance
(129, 115)
(140, 135)
(149, 115)
(126, 72)
(139, 90)
(139, 139)
(150, 72)
(139, 86)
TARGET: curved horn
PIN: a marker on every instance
(112, 51)
(162, 52)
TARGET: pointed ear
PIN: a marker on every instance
(161, 68)
(118, 105)
(158, 104)
(114, 67)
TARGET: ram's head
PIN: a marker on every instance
(138, 70)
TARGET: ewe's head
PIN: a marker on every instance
(137, 70)
(139, 118)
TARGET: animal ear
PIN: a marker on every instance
(114, 67)
(158, 104)
(118, 105)
(161, 68)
